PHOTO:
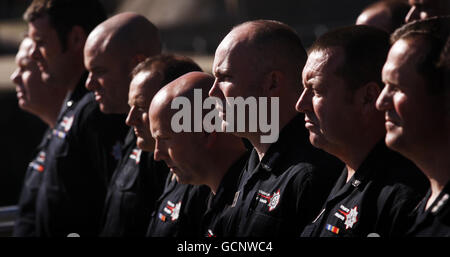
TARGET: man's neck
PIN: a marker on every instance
(354, 155)
(255, 138)
(435, 164)
(221, 164)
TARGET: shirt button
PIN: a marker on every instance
(69, 103)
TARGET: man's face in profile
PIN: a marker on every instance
(142, 89)
(326, 102)
(236, 75)
(47, 50)
(412, 114)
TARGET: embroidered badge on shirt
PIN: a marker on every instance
(350, 216)
(136, 155)
(173, 210)
(271, 200)
(67, 123)
(38, 164)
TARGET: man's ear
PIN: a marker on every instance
(368, 94)
(76, 39)
(273, 81)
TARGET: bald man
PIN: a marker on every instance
(284, 182)
(138, 180)
(112, 50)
(387, 15)
(79, 152)
(212, 159)
(45, 102)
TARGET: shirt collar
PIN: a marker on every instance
(289, 138)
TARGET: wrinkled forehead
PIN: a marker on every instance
(323, 61)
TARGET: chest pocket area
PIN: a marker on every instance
(166, 220)
(127, 178)
(263, 215)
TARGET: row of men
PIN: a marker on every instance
(208, 184)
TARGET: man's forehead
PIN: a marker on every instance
(40, 25)
(324, 60)
(407, 52)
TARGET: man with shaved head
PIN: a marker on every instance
(387, 15)
(138, 180)
(284, 182)
(194, 158)
(78, 154)
(112, 50)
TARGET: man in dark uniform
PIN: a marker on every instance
(139, 180)
(198, 158)
(281, 186)
(377, 188)
(45, 102)
(78, 154)
(417, 113)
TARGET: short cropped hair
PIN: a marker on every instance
(65, 14)
(365, 52)
(277, 42)
(435, 63)
(170, 66)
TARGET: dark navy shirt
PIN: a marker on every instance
(179, 210)
(280, 194)
(25, 223)
(223, 198)
(376, 200)
(435, 221)
(137, 183)
(83, 150)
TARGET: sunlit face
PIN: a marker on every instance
(47, 51)
(236, 75)
(32, 94)
(182, 152)
(142, 89)
(329, 111)
(109, 79)
(422, 9)
(412, 116)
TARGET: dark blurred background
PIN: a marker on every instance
(190, 27)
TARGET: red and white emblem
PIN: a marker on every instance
(351, 216)
(173, 210)
(271, 200)
(67, 123)
(274, 200)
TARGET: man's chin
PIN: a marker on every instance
(393, 141)
(143, 145)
